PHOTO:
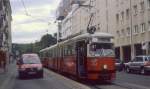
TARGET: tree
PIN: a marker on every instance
(46, 41)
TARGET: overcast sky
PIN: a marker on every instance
(30, 28)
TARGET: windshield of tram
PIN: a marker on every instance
(101, 49)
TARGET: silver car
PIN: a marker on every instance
(139, 63)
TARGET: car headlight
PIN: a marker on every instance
(105, 66)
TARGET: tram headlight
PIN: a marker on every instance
(105, 66)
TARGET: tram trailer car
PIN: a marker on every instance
(86, 56)
(44, 58)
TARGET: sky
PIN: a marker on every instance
(33, 19)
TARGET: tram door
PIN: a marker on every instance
(81, 49)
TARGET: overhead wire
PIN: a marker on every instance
(36, 17)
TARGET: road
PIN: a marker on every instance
(133, 80)
(53, 80)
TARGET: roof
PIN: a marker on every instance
(80, 37)
(28, 54)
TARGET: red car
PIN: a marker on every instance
(28, 65)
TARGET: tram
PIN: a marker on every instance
(87, 56)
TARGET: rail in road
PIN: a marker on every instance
(119, 86)
(53, 80)
(79, 85)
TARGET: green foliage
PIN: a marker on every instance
(46, 41)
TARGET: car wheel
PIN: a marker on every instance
(128, 70)
(142, 71)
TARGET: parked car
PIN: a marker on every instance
(139, 63)
(28, 65)
(119, 65)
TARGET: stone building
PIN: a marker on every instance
(127, 20)
(132, 28)
(65, 7)
(5, 28)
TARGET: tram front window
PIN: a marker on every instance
(101, 49)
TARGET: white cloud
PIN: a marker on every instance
(26, 29)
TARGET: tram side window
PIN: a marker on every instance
(56, 53)
(70, 50)
(52, 53)
(65, 51)
(60, 51)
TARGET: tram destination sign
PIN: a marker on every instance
(95, 39)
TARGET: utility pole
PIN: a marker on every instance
(131, 33)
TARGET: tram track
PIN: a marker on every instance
(110, 86)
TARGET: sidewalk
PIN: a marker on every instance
(7, 78)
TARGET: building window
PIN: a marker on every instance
(127, 13)
(135, 29)
(142, 6)
(117, 3)
(122, 16)
(118, 33)
(1, 6)
(117, 18)
(135, 9)
(149, 25)
(148, 2)
(123, 32)
(98, 27)
(128, 31)
(143, 27)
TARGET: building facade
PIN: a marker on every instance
(132, 28)
(5, 29)
(127, 20)
(63, 16)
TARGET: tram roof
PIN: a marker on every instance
(80, 37)
(43, 49)
(97, 34)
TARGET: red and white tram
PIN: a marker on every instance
(87, 56)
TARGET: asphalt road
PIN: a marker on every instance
(133, 80)
(52, 80)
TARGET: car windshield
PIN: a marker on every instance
(31, 60)
(101, 49)
(147, 58)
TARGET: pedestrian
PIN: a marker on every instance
(3, 61)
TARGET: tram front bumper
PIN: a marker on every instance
(101, 75)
